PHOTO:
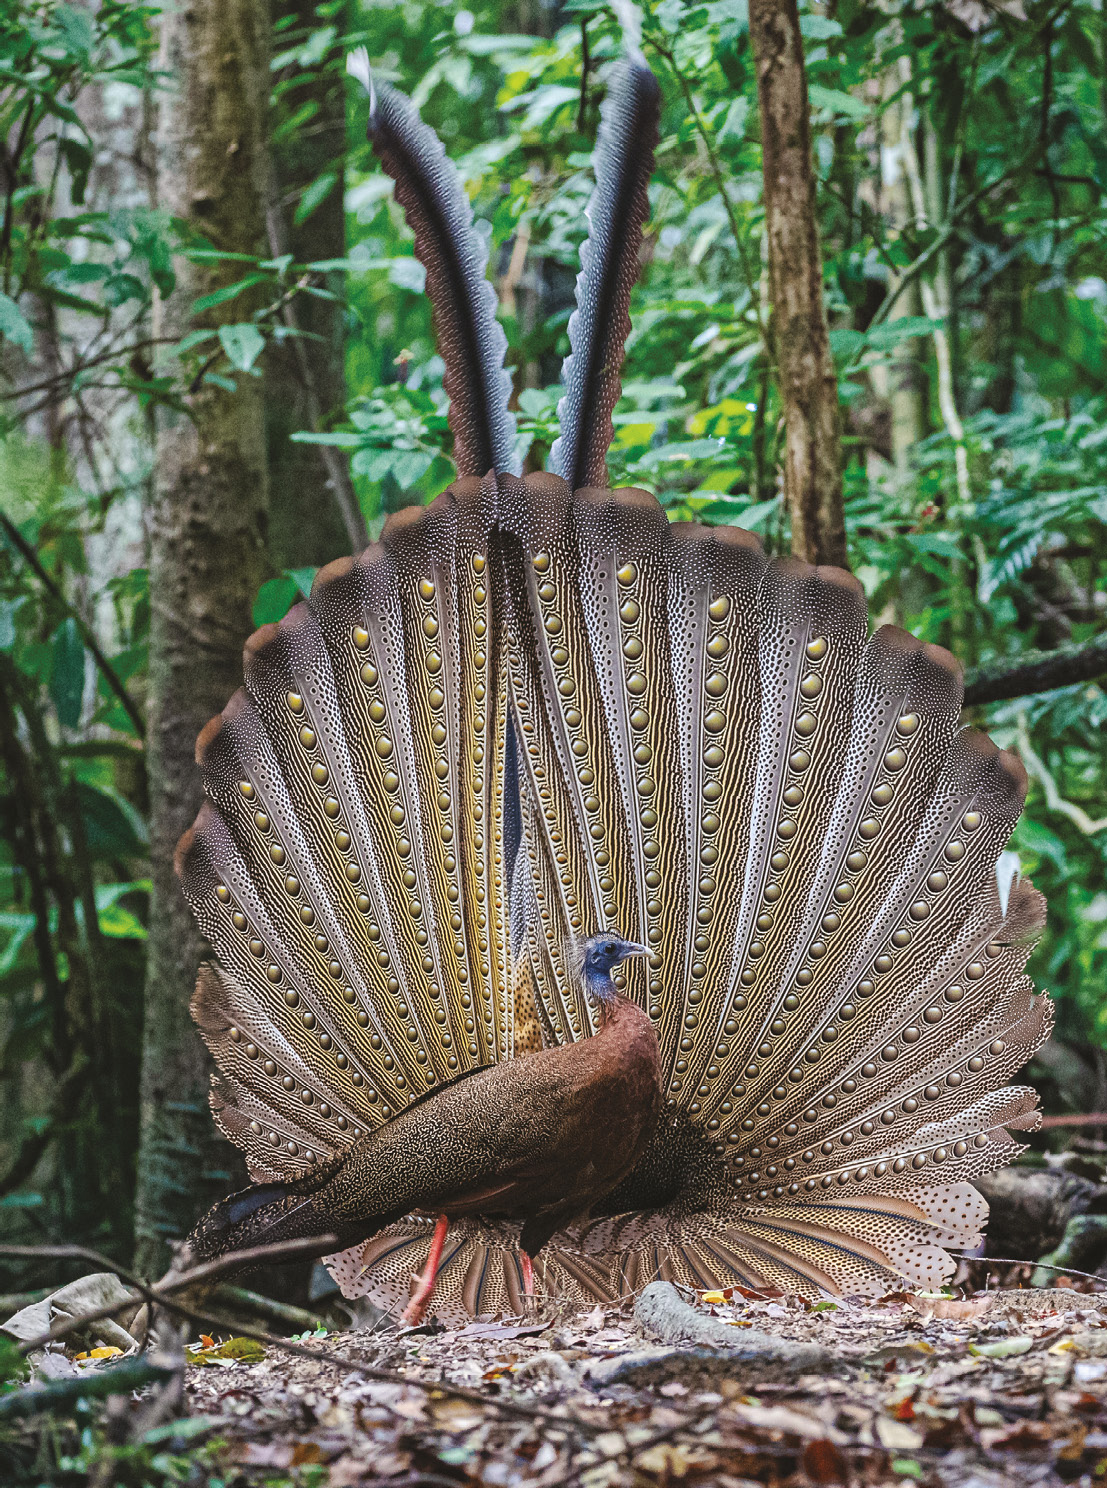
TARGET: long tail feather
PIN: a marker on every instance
(609, 266)
(455, 256)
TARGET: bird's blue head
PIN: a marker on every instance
(599, 955)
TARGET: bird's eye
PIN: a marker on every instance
(610, 949)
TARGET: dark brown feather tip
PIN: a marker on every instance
(471, 340)
(599, 326)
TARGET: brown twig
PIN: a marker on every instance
(161, 1296)
(1014, 1261)
(716, 171)
(1037, 671)
(338, 473)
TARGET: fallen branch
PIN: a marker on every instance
(967, 1255)
(117, 1379)
(662, 1311)
(267, 1307)
(1036, 671)
(161, 1296)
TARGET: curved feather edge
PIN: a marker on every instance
(470, 338)
(599, 326)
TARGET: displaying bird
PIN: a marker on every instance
(537, 730)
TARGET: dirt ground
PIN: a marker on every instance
(1004, 1388)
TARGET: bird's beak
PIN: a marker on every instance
(635, 950)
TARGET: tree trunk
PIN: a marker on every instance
(808, 385)
(314, 513)
(902, 374)
(207, 532)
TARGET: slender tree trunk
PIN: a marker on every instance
(314, 513)
(808, 386)
(902, 374)
(207, 532)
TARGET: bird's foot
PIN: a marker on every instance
(530, 1301)
(415, 1311)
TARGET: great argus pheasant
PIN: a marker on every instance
(593, 892)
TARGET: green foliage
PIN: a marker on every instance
(1007, 124)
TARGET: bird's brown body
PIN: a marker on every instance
(537, 1141)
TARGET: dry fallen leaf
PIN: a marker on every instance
(673, 1461)
(824, 1463)
(897, 1436)
(784, 1419)
(1003, 1348)
(501, 1330)
(951, 1309)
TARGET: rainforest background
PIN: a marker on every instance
(217, 374)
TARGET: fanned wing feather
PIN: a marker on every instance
(350, 869)
(470, 339)
(836, 984)
(599, 326)
(527, 714)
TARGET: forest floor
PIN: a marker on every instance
(1009, 1387)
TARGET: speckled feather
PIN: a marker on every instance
(711, 759)
(530, 713)
(470, 339)
(599, 326)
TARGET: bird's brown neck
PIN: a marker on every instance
(627, 1029)
(621, 1011)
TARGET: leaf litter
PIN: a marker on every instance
(1007, 1388)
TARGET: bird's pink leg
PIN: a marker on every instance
(413, 1312)
(528, 1281)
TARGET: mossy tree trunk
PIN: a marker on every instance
(808, 385)
(207, 534)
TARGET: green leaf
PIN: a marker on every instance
(21, 1201)
(21, 927)
(408, 466)
(340, 440)
(76, 29)
(67, 673)
(837, 101)
(734, 125)
(303, 578)
(13, 1366)
(275, 598)
(113, 828)
(407, 273)
(221, 296)
(315, 195)
(13, 325)
(115, 919)
(248, 1350)
(819, 28)
(243, 344)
